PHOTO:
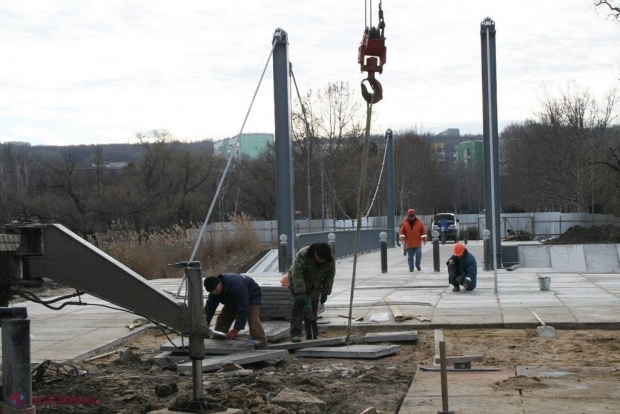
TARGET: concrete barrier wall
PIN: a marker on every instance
(571, 257)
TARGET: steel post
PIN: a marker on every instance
(331, 240)
(391, 208)
(199, 326)
(383, 244)
(16, 376)
(284, 152)
(283, 254)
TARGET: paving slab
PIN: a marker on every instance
(309, 344)
(465, 405)
(212, 346)
(579, 405)
(215, 363)
(553, 372)
(461, 383)
(391, 336)
(351, 351)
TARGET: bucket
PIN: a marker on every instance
(544, 283)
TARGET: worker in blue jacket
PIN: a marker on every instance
(462, 269)
(241, 298)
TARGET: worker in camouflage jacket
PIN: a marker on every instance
(310, 278)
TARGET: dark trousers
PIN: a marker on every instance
(297, 317)
(454, 275)
(227, 316)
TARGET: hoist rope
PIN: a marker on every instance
(360, 199)
(374, 197)
(230, 157)
(303, 111)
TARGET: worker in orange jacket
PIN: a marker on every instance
(413, 234)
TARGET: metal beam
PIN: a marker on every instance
(71, 260)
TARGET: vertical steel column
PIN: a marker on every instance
(284, 156)
(199, 325)
(16, 378)
(391, 208)
(383, 246)
(491, 141)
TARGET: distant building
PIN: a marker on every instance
(450, 132)
(251, 145)
(470, 152)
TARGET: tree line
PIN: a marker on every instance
(567, 159)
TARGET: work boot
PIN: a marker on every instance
(456, 288)
(419, 269)
(296, 338)
(411, 270)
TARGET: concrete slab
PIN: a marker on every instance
(601, 257)
(351, 351)
(461, 383)
(212, 346)
(215, 363)
(551, 372)
(309, 344)
(536, 405)
(568, 257)
(535, 256)
(289, 398)
(472, 404)
(391, 337)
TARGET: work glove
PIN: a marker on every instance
(301, 298)
(231, 334)
(324, 298)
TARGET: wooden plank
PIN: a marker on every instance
(398, 314)
(438, 338)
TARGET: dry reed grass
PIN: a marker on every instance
(149, 254)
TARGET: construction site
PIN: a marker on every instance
(522, 346)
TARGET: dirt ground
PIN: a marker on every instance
(127, 383)
(604, 234)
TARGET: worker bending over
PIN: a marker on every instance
(241, 298)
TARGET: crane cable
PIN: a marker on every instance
(372, 202)
(359, 211)
(230, 158)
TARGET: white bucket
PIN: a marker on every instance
(544, 283)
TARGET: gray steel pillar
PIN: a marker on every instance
(16, 378)
(284, 157)
(199, 325)
(383, 246)
(391, 204)
(491, 141)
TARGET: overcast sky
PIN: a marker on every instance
(84, 72)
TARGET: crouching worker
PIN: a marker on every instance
(241, 297)
(462, 269)
(310, 280)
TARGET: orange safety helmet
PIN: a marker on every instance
(411, 212)
(459, 249)
(284, 280)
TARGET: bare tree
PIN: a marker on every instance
(612, 6)
(552, 163)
